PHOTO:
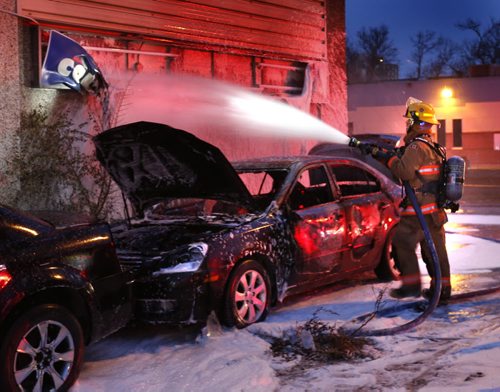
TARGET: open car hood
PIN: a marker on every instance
(151, 162)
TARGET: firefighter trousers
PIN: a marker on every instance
(406, 238)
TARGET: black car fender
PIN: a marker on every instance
(58, 284)
(251, 242)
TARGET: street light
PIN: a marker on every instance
(446, 92)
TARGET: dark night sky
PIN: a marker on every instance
(405, 18)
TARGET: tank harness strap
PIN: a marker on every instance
(433, 187)
(435, 146)
(430, 187)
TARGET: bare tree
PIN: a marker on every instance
(355, 64)
(483, 49)
(439, 65)
(376, 47)
(424, 43)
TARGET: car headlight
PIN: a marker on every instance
(188, 261)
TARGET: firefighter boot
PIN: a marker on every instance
(443, 298)
(406, 291)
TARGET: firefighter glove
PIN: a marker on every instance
(382, 155)
(366, 149)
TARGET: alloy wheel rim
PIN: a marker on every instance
(44, 357)
(251, 296)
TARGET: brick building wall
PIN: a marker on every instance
(261, 46)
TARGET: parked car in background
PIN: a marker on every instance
(236, 238)
(60, 289)
(385, 141)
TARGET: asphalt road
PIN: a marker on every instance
(482, 197)
(481, 192)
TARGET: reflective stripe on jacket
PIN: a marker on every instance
(429, 170)
(426, 209)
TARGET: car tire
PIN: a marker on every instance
(387, 269)
(42, 350)
(248, 295)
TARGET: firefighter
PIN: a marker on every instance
(420, 164)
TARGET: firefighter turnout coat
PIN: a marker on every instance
(421, 166)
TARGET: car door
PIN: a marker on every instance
(319, 225)
(364, 204)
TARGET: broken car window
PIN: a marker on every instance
(263, 185)
(354, 180)
(312, 188)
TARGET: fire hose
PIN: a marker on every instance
(435, 295)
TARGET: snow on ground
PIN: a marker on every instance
(456, 349)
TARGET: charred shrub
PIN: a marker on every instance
(316, 341)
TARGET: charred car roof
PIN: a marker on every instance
(151, 162)
(286, 163)
(269, 163)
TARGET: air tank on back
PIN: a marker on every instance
(455, 175)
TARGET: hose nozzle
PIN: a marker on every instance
(365, 148)
(353, 142)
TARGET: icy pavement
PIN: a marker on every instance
(456, 349)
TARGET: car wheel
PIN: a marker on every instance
(248, 295)
(387, 269)
(41, 351)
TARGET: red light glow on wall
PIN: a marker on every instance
(5, 277)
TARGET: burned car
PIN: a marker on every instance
(235, 238)
(60, 289)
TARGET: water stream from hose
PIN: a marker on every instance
(190, 103)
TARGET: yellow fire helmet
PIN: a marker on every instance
(420, 111)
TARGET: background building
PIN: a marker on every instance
(467, 109)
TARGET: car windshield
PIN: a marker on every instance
(262, 184)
